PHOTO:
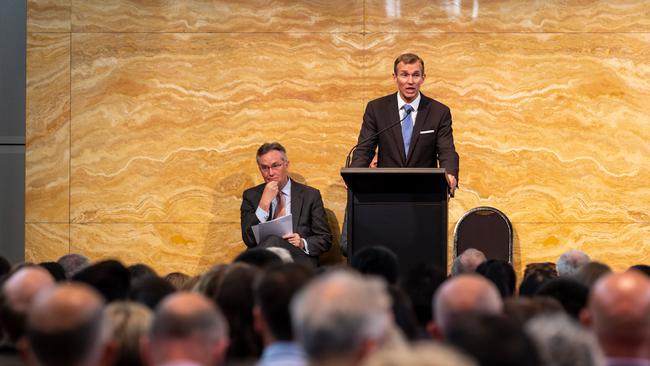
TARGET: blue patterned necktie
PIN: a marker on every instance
(407, 128)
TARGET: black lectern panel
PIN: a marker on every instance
(403, 209)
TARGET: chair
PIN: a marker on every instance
(486, 229)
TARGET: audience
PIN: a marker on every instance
(569, 262)
(467, 261)
(73, 263)
(67, 325)
(619, 315)
(378, 261)
(130, 322)
(187, 329)
(273, 291)
(5, 266)
(460, 296)
(276, 312)
(341, 317)
(561, 341)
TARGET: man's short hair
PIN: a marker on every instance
(570, 261)
(273, 290)
(338, 312)
(377, 260)
(467, 261)
(270, 146)
(73, 263)
(407, 58)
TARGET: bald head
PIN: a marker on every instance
(18, 293)
(67, 326)
(619, 312)
(464, 294)
(187, 326)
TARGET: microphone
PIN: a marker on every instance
(347, 159)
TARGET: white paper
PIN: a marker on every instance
(278, 227)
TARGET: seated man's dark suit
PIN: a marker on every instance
(428, 150)
(308, 218)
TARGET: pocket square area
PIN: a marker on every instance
(426, 132)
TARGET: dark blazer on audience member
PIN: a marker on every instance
(308, 217)
(427, 150)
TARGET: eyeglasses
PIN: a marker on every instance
(274, 166)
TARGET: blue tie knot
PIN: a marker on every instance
(407, 108)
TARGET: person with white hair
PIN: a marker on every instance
(570, 262)
(342, 317)
(467, 261)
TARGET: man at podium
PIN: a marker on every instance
(280, 196)
(424, 139)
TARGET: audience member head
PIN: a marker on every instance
(178, 280)
(569, 262)
(501, 274)
(522, 309)
(73, 263)
(68, 326)
(643, 268)
(130, 322)
(140, 270)
(186, 327)
(258, 257)
(420, 283)
(18, 294)
(210, 281)
(420, 354)
(149, 290)
(535, 275)
(619, 314)
(467, 261)
(460, 296)
(283, 253)
(5, 266)
(55, 269)
(376, 260)
(109, 277)
(570, 293)
(493, 340)
(341, 317)
(273, 291)
(561, 341)
(589, 273)
(235, 299)
(403, 314)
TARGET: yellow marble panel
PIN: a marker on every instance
(46, 242)
(47, 128)
(549, 127)
(165, 126)
(217, 16)
(48, 16)
(167, 247)
(507, 16)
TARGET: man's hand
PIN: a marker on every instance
(453, 184)
(270, 192)
(295, 240)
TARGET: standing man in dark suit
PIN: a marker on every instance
(279, 196)
(425, 138)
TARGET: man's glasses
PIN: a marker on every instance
(274, 166)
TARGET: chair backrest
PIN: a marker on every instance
(486, 229)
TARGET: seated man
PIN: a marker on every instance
(279, 196)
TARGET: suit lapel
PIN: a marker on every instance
(392, 112)
(296, 204)
(423, 112)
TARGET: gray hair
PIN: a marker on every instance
(268, 147)
(467, 261)
(338, 311)
(561, 341)
(569, 262)
(73, 263)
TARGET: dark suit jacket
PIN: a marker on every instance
(308, 217)
(427, 150)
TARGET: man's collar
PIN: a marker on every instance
(287, 188)
(415, 103)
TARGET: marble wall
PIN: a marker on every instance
(143, 117)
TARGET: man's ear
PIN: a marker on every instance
(109, 354)
(435, 331)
